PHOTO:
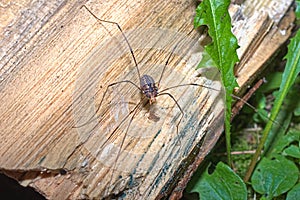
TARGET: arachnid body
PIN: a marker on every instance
(132, 127)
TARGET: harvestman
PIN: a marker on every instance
(147, 87)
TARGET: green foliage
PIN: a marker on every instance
(277, 174)
(285, 141)
(214, 14)
(292, 151)
(223, 183)
(289, 76)
(274, 176)
(294, 193)
(298, 11)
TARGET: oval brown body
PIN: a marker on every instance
(149, 88)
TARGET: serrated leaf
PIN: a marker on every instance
(222, 50)
(223, 183)
(275, 176)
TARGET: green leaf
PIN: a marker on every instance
(293, 151)
(223, 183)
(297, 111)
(297, 9)
(294, 193)
(285, 140)
(260, 116)
(273, 82)
(275, 176)
(278, 132)
(289, 76)
(292, 68)
(214, 14)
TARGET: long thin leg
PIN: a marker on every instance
(182, 113)
(110, 85)
(189, 84)
(123, 34)
(158, 83)
(234, 96)
(167, 62)
(134, 111)
(123, 120)
(253, 108)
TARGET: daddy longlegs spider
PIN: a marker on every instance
(149, 90)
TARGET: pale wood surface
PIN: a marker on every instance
(56, 62)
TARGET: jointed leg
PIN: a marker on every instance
(189, 84)
(182, 113)
(92, 118)
(134, 111)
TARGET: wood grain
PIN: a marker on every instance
(56, 62)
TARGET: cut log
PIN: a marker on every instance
(56, 62)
